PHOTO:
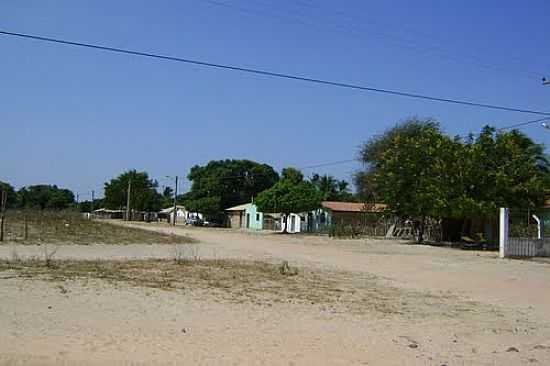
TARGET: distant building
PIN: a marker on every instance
(237, 216)
(341, 213)
(104, 213)
(245, 216)
(248, 217)
(183, 216)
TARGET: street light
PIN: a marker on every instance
(545, 81)
(546, 125)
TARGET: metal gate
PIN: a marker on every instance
(528, 247)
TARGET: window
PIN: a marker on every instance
(257, 217)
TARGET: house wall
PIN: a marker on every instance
(354, 219)
(318, 220)
(253, 219)
(181, 216)
(236, 219)
(292, 222)
(321, 220)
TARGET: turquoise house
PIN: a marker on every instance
(245, 216)
(253, 219)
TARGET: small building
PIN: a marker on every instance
(182, 215)
(236, 216)
(245, 216)
(104, 213)
(354, 214)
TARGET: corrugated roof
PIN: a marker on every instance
(353, 206)
(242, 207)
(171, 208)
(107, 210)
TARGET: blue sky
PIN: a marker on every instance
(77, 117)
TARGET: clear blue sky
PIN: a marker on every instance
(77, 117)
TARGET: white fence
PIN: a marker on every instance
(528, 247)
(523, 246)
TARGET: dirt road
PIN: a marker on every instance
(462, 308)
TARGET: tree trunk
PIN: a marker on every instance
(2, 227)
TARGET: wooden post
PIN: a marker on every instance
(128, 199)
(26, 233)
(3, 203)
(92, 206)
(175, 201)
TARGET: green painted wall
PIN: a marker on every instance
(254, 219)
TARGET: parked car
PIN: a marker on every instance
(195, 221)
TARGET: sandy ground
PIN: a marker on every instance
(459, 308)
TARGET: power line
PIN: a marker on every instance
(352, 29)
(277, 75)
(523, 124)
(340, 162)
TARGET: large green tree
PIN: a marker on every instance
(10, 192)
(421, 172)
(224, 183)
(143, 197)
(292, 194)
(410, 168)
(501, 169)
(45, 197)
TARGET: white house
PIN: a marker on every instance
(182, 214)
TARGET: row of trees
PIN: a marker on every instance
(216, 186)
(42, 196)
(414, 168)
(420, 172)
(224, 183)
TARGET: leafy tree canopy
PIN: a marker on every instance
(86, 206)
(44, 197)
(331, 188)
(224, 183)
(143, 197)
(11, 196)
(419, 171)
(290, 195)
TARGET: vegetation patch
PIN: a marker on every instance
(67, 227)
(256, 282)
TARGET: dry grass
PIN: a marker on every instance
(36, 227)
(256, 282)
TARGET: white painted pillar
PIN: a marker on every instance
(503, 232)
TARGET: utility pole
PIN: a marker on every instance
(174, 214)
(77, 196)
(175, 201)
(3, 202)
(92, 206)
(128, 198)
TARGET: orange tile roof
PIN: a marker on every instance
(353, 206)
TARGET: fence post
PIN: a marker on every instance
(503, 232)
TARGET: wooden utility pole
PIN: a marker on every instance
(128, 199)
(175, 202)
(3, 203)
(92, 206)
